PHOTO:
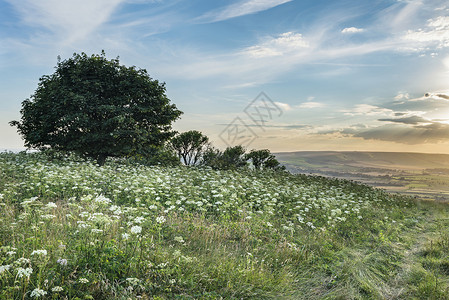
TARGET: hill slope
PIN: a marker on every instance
(73, 229)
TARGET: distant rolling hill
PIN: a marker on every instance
(419, 174)
(354, 160)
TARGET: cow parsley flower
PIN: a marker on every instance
(102, 200)
(24, 272)
(136, 229)
(160, 219)
(62, 261)
(38, 293)
(4, 268)
(133, 281)
(139, 220)
(179, 239)
(39, 252)
(22, 260)
(51, 205)
(57, 289)
(83, 280)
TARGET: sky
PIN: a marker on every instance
(287, 75)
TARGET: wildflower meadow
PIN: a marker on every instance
(70, 229)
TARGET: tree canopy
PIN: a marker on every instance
(97, 108)
(190, 146)
(263, 159)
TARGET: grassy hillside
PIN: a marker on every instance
(73, 230)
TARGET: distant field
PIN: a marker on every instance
(420, 174)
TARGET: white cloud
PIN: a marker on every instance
(352, 30)
(240, 9)
(439, 23)
(285, 43)
(401, 96)
(283, 106)
(437, 31)
(311, 104)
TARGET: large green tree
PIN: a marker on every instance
(97, 108)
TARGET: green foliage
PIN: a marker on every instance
(190, 146)
(97, 108)
(230, 159)
(263, 159)
(155, 156)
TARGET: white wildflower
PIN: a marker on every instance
(51, 205)
(48, 217)
(102, 200)
(57, 289)
(62, 261)
(38, 293)
(4, 268)
(133, 281)
(179, 239)
(136, 229)
(160, 219)
(83, 280)
(139, 220)
(24, 272)
(39, 252)
(22, 260)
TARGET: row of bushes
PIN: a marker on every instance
(192, 148)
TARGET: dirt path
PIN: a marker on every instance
(432, 223)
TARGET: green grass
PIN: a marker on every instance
(72, 230)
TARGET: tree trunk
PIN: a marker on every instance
(101, 159)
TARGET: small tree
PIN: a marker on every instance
(231, 158)
(234, 157)
(263, 159)
(97, 108)
(190, 146)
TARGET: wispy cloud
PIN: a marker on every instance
(240, 9)
(367, 110)
(413, 120)
(70, 20)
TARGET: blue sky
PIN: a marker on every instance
(339, 75)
